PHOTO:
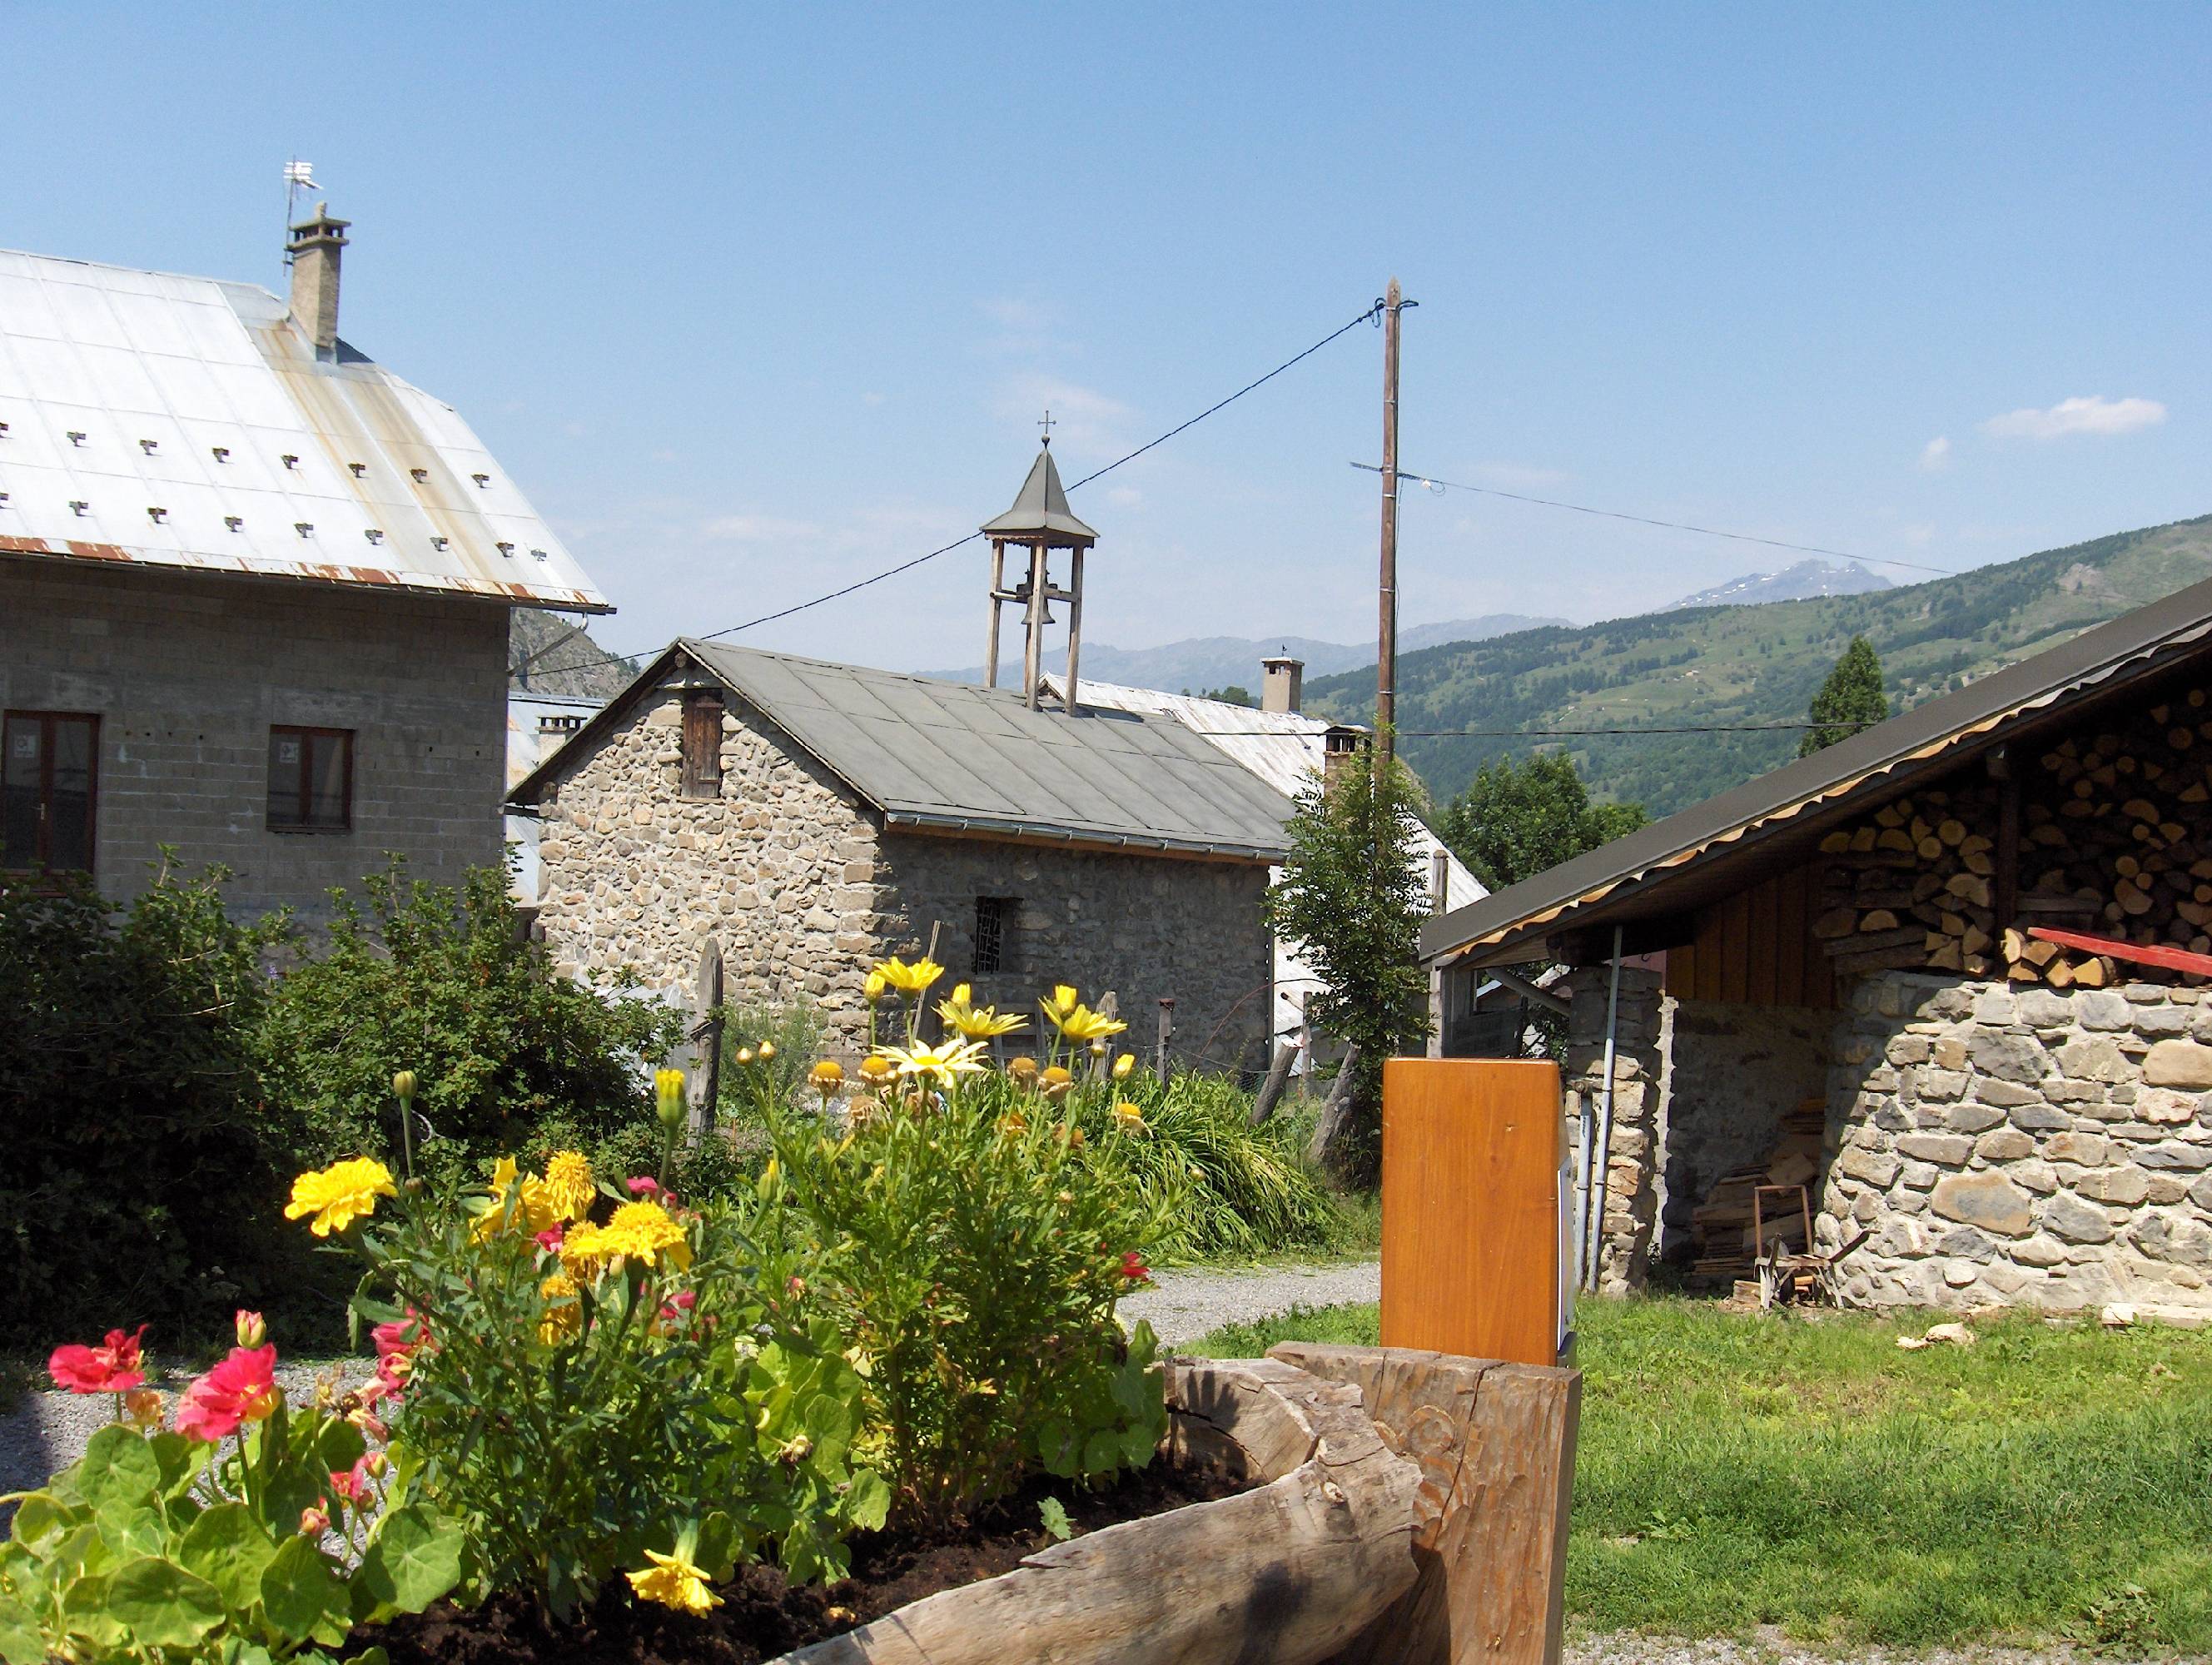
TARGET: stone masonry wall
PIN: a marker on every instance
(1141, 927)
(187, 671)
(1642, 1045)
(1735, 1070)
(794, 878)
(782, 868)
(2039, 1148)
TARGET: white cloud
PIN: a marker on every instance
(1083, 418)
(871, 399)
(758, 529)
(2094, 415)
(1935, 455)
(1124, 496)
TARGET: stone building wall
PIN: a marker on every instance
(1735, 1070)
(1642, 1046)
(187, 671)
(794, 878)
(2036, 1148)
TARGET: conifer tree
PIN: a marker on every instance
(1851, 699)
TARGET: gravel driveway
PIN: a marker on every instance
(1768, 1647)
(1192, 1300)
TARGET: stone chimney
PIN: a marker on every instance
(1282, 682)
(1340, 750)
(314, 251)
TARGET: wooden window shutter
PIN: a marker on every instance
(702, 746)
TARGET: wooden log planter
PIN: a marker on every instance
(1415, 1512)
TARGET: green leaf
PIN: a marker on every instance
(1139, 1447)
(118, 1467)
(180, 1460)
(297, 1590)
(226, 1547)
(716, 1549)
(130, 1530)
(339, 1444)
(161, 1605)
(20, 1641)
(85, 1612)
(1102, 1453)
(42, 1515)
(868, 1502)
(1056, 1523)
(369, 1656)
(416, 1558)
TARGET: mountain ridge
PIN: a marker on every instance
(1809, 578)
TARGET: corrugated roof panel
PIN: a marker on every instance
(193, 364)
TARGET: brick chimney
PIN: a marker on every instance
(1340, 750)
(1282, 682)
(314, 251)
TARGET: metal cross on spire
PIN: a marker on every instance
(1047, 425)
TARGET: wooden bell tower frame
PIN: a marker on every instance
(1041, 522)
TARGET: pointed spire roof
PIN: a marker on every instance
(1040, 513)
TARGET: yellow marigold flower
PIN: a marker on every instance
(568, 1184)
(878, 1069)
(1013, 1124)
(339, 1194)
(827, 1076)
(564, 1312)
(674, 1581)
(944, 1064)
(1123, 1065)
(645, 1231)
(585, 1253)
(518, 1202)
(1128, 1117)
(913, 979)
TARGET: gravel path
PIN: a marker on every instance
(45, 1431)
(1192, 1300)
(1769, 1647)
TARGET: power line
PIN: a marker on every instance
(1406, 474)
(957, 542)
(1557, 734)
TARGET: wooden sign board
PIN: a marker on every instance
(1477, 1251)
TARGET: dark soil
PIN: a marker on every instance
(761, 1616)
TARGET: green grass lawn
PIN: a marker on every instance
(1737, 1470)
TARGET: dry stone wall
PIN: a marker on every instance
(1643, 1042)
(2027, 1147)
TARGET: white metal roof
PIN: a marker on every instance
(185, 422)
(1283, 748)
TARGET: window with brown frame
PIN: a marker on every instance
(310, 779)
(703, 745)
(49, 780)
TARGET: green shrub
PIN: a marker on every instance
(141, 1171)
(441, 981)
(591, 1378)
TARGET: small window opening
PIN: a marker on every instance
(703, 745)
(994, 933)
(310, 779)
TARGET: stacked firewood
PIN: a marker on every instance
(1912, 885)
(2117, 843)
(1725, 1228)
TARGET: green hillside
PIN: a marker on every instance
(1749, 665)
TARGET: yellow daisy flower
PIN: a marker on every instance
(913, 979)
(1128, 1117)
(942, 1063)
(674, 1581)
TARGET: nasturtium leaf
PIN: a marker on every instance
(247, 1653)
(716, 1550)
(132, 1529)
(338, 1444)
(20, 1643)
(180, 1460)
(416, 1558)
(161, 1605)
(1139, 1445)
(85, 1612)
(226, 1547)
(1054, 1513)
(118, 1467)
(41, 1516)
(369, 1656)
(297, 1590)
(868, 1503)
(1102, 1453)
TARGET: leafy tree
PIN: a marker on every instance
(1514, 822)
(141, 1179)
(1851, 699)
(1235, 694)
(511, 1056)
(1353, 896)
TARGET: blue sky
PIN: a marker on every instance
(755, 301)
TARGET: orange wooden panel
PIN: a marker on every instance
(1473, 1150)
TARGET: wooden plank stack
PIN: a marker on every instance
(1722, 1226)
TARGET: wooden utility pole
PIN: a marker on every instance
(1386, 641)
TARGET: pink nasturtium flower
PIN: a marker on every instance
(396, 1345)
(240, 1389)
(643, 1185)
(113, 1367)
(1133, 1267)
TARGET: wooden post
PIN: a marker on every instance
(1439, 880)
(1033, 654)
(998, 583)
(1074, 622)
(706, 1036)
(1338, 1107)
(1278, 1077)
(1167, 1029)
(1109, 1005)
(1386, 642)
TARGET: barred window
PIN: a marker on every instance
(994, 933)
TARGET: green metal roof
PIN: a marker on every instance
(1041, 511)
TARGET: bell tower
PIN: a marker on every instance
(1040, 522)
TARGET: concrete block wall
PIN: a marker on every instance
(188, 671)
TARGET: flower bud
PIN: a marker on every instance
(767, 1051)
(1123, 1065)
(314, 1522)
(251, 1330)
(668, 1096)
(142, 1408)
(827, 1076)
(402, 1085)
